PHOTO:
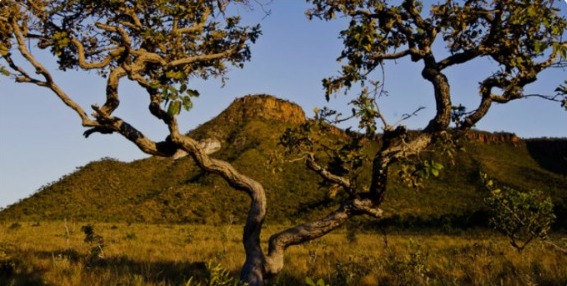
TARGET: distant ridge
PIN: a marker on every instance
(498, 137)
(162, 190)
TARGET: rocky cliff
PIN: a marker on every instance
(490, 138)
(264, 107)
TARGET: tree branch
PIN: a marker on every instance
(49, 83)
(257, 212)
(394, 56)
(195, 28)
(279, 242)
(97, 65)
(325, 174)
(203, 58)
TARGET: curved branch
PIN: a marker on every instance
(478, 114)
(109, 124)
(96, 65)
(442, 91)
(393, 149)
(325, 174)
(252, 270)
(279, 242)
(460, 58)
(196, 28)
(112, 100)
(114, 29)
(49, 83)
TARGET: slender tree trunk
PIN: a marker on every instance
(252, 270)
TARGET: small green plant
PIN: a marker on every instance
(520, 215)
(217, 276)
(350, 272)
(310, 282)
(408, 269)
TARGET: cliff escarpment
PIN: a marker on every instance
(493, 138)
(264, 107)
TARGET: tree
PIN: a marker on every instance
(522, 216)
(162, 44)
(522, 38)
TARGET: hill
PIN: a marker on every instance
(163, 190)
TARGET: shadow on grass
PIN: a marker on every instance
(168, 272)
(119, 268)
(15, 273)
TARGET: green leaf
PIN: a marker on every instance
(192, 93)
(170, 74)
(437, 166)
(187, 103)
(435, 172)
(309, 281)
(4, 71)
(155, 84)
(174, 108)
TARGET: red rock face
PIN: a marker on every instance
(489, 138)
(264, 107)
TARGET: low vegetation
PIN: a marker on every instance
(158, 190)
(150, 222)
(61, 253)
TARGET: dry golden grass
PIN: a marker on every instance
(55, 253)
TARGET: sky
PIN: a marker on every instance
(41, 139)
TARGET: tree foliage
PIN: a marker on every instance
(522, 216)
(160, 45)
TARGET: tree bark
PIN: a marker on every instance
(279, 242)
(252, 271)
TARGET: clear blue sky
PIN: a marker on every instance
(41, 139)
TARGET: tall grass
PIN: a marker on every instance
(55, 253)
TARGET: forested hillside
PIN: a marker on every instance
(163, 190)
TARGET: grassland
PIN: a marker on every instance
(162, 222)
(55, 253)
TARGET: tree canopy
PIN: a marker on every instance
(522, 38)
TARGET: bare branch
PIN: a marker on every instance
(105, 62)
(49, 83)
(554, 98)
(112, 100)
(325, 174)
(203, 58)
(394, 56)
(406, 116)
(279, 242)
